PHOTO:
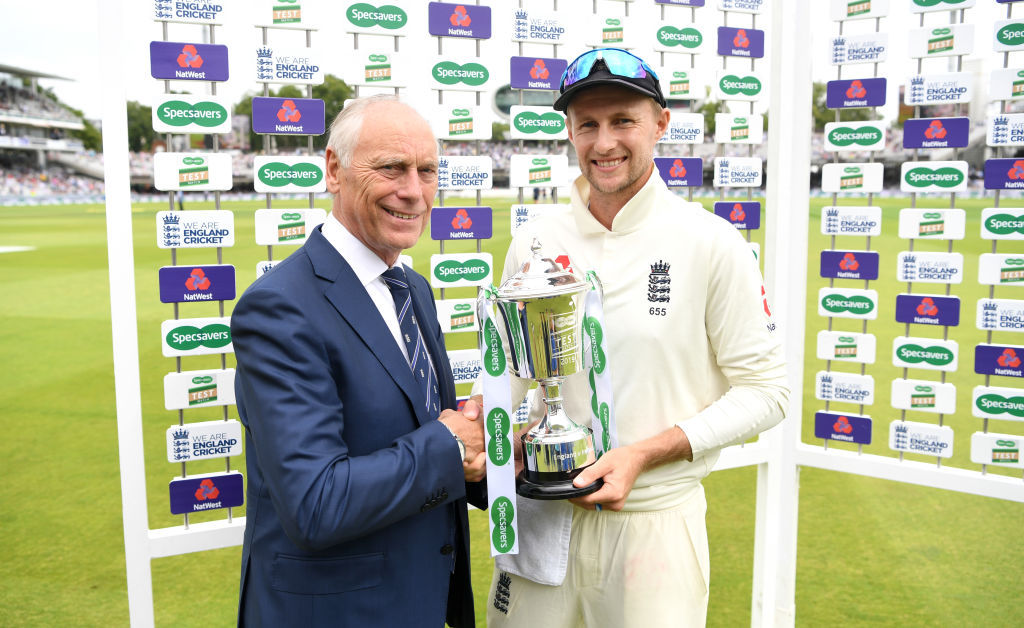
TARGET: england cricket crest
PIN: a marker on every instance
(659, 285)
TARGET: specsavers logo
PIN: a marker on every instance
(845, 136)
(993, 403)
(1011, 34)
(503, 513)
(838, 304)
(923, 177)
(494, 354)
(188, 337)
(1005, 224)
(386, 16)
(734, 85)
(180, 113)
(499, 449)
(935, 3)
(529, 122)
(686, 37)
(451, 271)
(277, 174)
(916, 354)
(451, 73)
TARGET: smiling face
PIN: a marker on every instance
(614, 130)
(385, 194)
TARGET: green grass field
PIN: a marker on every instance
(870, 552)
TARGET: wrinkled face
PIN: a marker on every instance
(614, 130)
(385, 195)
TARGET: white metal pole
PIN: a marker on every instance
(786, 205)
(120, 259)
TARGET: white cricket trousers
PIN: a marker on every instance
(642, 569)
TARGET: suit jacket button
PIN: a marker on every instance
(447, 549)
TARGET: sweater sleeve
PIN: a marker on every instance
(747, 349)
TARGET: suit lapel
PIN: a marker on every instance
(346, 293)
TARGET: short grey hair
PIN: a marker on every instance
(348, 124)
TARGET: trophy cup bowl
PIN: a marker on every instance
(541, 307)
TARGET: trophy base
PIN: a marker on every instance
(562, 489)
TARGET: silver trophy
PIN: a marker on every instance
(542, 310)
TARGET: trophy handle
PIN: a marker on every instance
(595, 284)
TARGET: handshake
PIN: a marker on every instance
(468, 425)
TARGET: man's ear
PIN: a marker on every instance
(663, 120)
(332, 171)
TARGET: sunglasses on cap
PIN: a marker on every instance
(619, 62)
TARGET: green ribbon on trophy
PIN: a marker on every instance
(599, 374)
(501, 476)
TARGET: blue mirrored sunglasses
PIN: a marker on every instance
(619, 62)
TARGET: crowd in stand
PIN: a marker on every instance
(20, 101)
(21, 176)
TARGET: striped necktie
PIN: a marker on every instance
(422, 369)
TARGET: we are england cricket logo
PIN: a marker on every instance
(386, 16)
(277, 174)
(451, 73)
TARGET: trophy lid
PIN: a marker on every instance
(540, 276)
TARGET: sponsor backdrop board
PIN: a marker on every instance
(866, 48)
(851, 220)
(278, 173)
(846, 346)
(391, 18)
(678, 38)
(737, 172)
(378, 68)
(684, 128)
(925, 353)
(933, 176)
(998, 450)
(845, 387)
(944, 41)
(929, 267)
(288, 116)
(1000, 269)
(446, 19)
(464, 173)
(938, 224)
(460, 223)
(457, 315)
(286, 226)
(461, 123)
(290, 66)
(1002, 223)
(521, 214)
(200, 172)
(196, 12)
(1000, 314)
(923, 395)
(212, 491)
(1005, 360)
(849, 428)
(921, 438)
(848, 303)
(997, 402)
(939, 89)
(928, 309)
(538, 170)
(862, 178)
(536, 123)
(183, 284)
(680, 82)
(466, 365)
(744, 85)
(842, 10)
(194, 389)
(744, 129)
(188, 61)
(204, 441)
(540, 73)
(854, 136)
(741, 214)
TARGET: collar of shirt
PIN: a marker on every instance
(630, 218)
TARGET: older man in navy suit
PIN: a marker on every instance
(359, 468)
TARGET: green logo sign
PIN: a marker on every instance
(993, 403)
(837, 304)
(922, 177)
(686, 37)
(494, 354)
(612, 22)
(733, 85)
(450, 271)
(1005, 224)
(180, 113)
(499, 448)
(845, 136)
(386, 16)
(451, 73)
(916, 354)
(593, 329)
(188, 337)
(203, 379)
(503, 537)
(529, 122)
(1011, 34)
(193, 161)
(935, 3)
(277, 174)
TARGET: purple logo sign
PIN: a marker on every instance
(680, 171)
(1006, 360)
(1004, 174)
(849, 264)
(928, 309)
(536, 72)
(183, 61)
(288, 116)
(179, 284)
(847, 93)
(936, 132)
(190, 495)
(460, 223)
(850, 428)
(740, 42)
(459, 20)
(742, 214)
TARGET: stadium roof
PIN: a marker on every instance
(16, 71)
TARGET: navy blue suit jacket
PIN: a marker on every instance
(356, 512)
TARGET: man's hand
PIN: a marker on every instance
(468, 426)
(620, 467)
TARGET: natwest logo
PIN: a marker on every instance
(289, 112)
(189, 57)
